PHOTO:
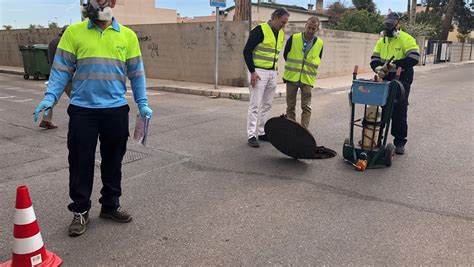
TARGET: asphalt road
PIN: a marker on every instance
(201, 196)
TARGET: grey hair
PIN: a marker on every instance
(313, 19)
(280, 12)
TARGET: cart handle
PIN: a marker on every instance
(354, 73)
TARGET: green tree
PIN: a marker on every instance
(7, 27)
(335, 11)
(364, 5)
(32, 26)
(53, 25)
(361, 21)
(431, 18)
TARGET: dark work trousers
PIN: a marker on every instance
(399, 119)
(110, 125)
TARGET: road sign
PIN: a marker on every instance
(218, 3)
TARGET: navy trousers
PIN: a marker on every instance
(399, 119)
(110, 126)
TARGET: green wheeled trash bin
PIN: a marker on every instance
(35, 61)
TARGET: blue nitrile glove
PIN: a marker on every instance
(44, 105)
(145, 111)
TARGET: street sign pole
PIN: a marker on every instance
(217, 4)
(216, 78)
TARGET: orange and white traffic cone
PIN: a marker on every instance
(28, 247)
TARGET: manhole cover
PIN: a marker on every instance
(130, 156)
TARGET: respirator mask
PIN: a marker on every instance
(390, 29)
(390, 25)
(95, 12)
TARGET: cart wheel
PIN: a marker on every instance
(26, 76)
(47, 77)
(346, 141)
(389, 154)
(36, 76)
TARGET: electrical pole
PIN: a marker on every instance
(242, 10)
(412, 12)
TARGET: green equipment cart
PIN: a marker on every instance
(378, 97)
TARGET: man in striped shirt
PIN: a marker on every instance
(98, 55)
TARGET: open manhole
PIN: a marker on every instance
(130, 156)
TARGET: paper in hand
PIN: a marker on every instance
(141, 129)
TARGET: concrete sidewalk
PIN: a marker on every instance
(242, 93)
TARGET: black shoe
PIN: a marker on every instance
(117, 215)
(400, 150)
(79, 223)
(263, 138)
(253, 142)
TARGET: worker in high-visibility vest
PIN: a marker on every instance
(303, 52)
(403, 47)
(97, 55)
(261, 56)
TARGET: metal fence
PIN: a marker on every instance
(436, 52)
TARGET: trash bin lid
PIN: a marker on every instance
(40, 46)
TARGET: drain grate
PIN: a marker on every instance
(130, 156)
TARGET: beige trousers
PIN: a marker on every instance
(49, 117)
(291, 92)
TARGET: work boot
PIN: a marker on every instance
(263, 138)
(253, 142)
(400, 150)
(117, 215)
(79, 223)
(47, 125)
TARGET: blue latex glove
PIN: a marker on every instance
(44, 105)
(145, 111)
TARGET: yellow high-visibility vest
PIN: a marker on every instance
(265, 54)
(299, 68)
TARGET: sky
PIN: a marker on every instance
(22, 13)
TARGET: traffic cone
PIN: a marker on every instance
(28, 247)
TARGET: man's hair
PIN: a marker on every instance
(280, 12)
(313, 20)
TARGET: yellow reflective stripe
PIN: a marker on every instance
(61, 67)
(306, 63)
(299, 70)
(66, 55)
(99, 76)
(135, 60)
(135, 74)
(264, 49)
(296, 61)
(270, 59)
(415, 57)
(412, 51)
(100, 61)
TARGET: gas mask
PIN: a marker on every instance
(390, 29)
(390, 23)
(92, 10)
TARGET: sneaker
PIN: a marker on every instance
(118, 215)
(253, 142)
(79, 223)
(400, 150)
(47, 125)
(263, 138)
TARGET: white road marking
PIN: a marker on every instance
(339, 92)
(38, 93)
(22, 100)
(4, 97)
(26, 90)
(13, 88)
(152, 94)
